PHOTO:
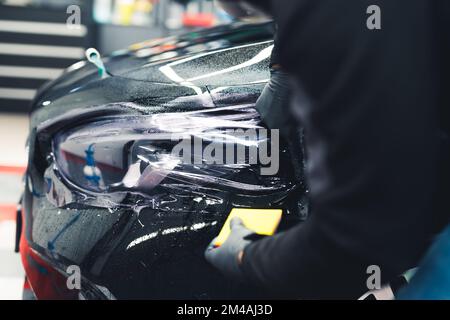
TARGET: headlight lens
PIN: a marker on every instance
(135, 154)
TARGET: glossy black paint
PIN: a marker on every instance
(122, 253)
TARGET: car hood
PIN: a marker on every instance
(223, 56)
(204, 56)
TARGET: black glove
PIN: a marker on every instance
(273, 104)
(225, 257)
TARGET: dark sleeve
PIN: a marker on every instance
(368, 107)
(275, 58)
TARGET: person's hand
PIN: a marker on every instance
(228, 256)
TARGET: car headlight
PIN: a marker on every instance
(116, 156)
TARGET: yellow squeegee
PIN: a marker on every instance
(262, 221)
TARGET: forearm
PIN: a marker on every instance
(306, 263)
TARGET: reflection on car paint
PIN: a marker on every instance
(260, 58)
(194, 227)
(91, 172)
(51, 243)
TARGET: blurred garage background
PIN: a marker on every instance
(38, 39)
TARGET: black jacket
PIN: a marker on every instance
(275, 58)
(372, 104)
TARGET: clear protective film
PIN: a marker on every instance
(168, 161)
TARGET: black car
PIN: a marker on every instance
(104, 197)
